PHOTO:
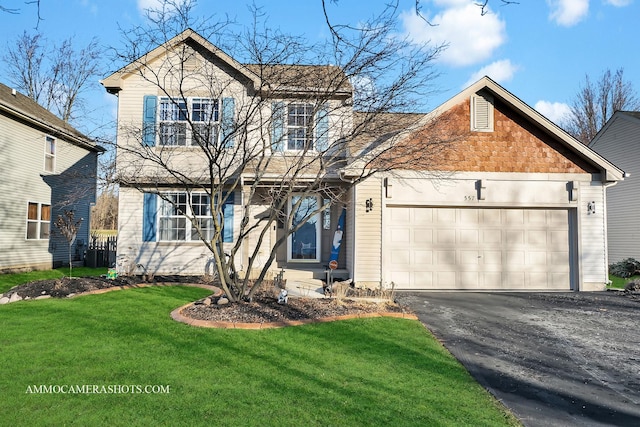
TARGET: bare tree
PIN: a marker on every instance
(54, 77)
(596, 102)
(104, 214)
(244, 152)
(68, 227)
(483, 5)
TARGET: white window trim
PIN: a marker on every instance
(38, 221)
(188, 216)
(311, 126)
(48, 155)
(189, 138)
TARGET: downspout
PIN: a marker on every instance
(606, 226)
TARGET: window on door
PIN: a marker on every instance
(304, 243)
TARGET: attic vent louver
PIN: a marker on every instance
(482, 113)
(13, 92)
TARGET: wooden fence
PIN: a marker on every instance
(102, 251)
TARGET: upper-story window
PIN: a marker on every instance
(50, 154)
(299, 126)
(174, 115)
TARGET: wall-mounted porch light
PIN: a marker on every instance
(591, 208)
(368, 204)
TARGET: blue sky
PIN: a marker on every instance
(540, 50)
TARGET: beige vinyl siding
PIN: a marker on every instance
(619, 144)
(255, 212)
(160, 257)
(24, 180)
(368, 231)
(130, 110)
(592, 236)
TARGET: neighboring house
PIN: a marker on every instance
(514, 203)
(619, 142)
(47, 167)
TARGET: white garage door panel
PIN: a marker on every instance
(455, 248)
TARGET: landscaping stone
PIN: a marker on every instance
(15, 297)
(223, 301)
(633, 286)
(43, 297)
(206, 301)
(4, 300)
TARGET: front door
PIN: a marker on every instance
(303, 245)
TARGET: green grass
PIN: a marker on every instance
(619, 282)
(8, 281)
(371, 372)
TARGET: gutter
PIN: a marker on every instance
(56, 130)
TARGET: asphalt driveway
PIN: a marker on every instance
(554, 359)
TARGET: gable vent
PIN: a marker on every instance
(482, 113)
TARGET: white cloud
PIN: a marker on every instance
(470, 36)
(568, 12)
(144, 5)
(618, 3)
(500, 71)
(557, 112)
(151, 5)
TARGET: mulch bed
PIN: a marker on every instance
(263, 308)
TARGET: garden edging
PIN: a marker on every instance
(179, 317)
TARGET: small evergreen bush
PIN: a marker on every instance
(625, 268)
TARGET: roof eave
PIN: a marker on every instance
(84, 143)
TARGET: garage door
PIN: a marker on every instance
(458, 248)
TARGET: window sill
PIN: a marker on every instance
(180, 242)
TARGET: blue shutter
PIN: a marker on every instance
(228, 112)
(277, 126)
(149, 213)
(227, 227)
(149, 120)
(322, 128)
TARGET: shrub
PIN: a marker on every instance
(625, 268)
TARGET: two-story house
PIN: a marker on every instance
(47, 167)
(511, 203)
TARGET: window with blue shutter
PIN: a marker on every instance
(228, 122)
(322, 128)
(149, 214)
(227, 212)
(149, 120)
(277, 126)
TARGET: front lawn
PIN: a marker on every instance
(619, 282)
(379, 371)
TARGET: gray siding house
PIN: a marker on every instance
(619, 142)
(47, 167)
